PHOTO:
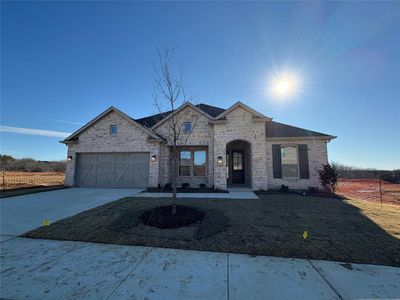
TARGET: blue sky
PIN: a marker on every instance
(63, 63)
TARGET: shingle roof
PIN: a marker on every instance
(275, 129)
(150, 121)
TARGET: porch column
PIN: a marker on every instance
(219, 150)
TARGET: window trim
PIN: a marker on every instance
(296, 146)
(184, 127)
(192, 150)
(111, 130)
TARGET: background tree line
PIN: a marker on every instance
(9, 163)
(349, 172)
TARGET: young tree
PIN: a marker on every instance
(170, 93)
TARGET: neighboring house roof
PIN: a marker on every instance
(74, 135)
(279, 130)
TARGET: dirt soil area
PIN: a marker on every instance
(341, 230)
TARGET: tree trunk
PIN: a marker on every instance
(174, 180)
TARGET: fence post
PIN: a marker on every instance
(3, 184)
(380, 189)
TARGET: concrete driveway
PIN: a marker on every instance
(23, 213)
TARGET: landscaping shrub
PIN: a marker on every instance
(167, 186)
(284, 188)
(328, 176)
(202, 185)
(186, 185)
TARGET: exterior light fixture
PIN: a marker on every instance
(220, 161)
(69, 158)
(153, 158)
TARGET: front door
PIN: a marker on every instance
(237, 166)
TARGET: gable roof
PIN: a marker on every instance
(150, 121)
(237, 104)
(280, 130)
(74, 135)
(273, 129)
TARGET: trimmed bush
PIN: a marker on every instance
(328, 176)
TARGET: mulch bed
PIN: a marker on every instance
(186, 190)
(340, 230)
(306, 193)
(162, 217)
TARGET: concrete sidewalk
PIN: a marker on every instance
(44, 269)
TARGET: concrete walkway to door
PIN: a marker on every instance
(23, 213)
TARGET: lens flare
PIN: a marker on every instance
(284, 85)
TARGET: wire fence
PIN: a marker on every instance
(375, 190)
(15, 180)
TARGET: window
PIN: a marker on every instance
(187, 127)
(185, 163)
(199, 168)
(237, 161)
(113, 129)
(289, 161)
(192, 162)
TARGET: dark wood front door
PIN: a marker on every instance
(237, 166)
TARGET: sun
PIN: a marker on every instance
(284, 85)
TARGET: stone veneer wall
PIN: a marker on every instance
(97, 138)
(202, 135)
(317, 155)
(240, 125)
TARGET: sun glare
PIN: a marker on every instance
(284, 85)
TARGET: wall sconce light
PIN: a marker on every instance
(69, 158)
(220, 161)
(153, 158)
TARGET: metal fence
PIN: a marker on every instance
(16, 180)
(375, 190)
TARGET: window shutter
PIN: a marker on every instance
(276, 161)
(303, 162)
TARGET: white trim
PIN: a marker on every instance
(237, 104)
(301, 138)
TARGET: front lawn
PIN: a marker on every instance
(341, 230)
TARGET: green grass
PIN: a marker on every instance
(341, 230)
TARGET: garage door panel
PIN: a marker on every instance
(141, 176)
(124, 174)
(113, 169)
(87, 170)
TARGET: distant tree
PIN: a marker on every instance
(5, 160)
(328, 177)
(9, 163)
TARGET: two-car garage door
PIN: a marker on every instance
(130, 169)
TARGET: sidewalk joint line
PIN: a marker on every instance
(325, 279)
(227, 275)
(129, 273)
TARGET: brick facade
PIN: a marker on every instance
(317, 156)
(239, 124)
(97, 138)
